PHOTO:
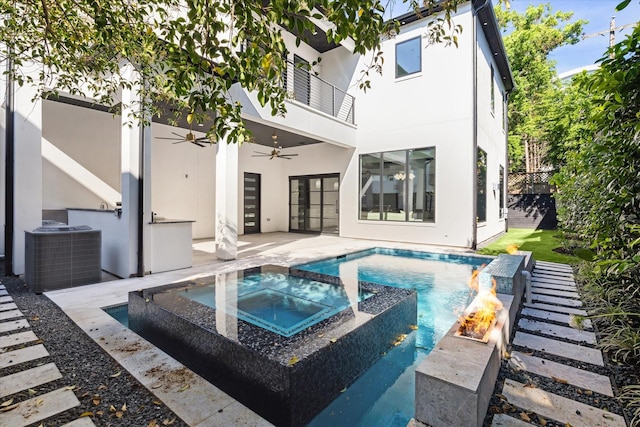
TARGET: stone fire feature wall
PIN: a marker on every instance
(456, 380)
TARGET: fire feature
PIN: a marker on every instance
(480, 316)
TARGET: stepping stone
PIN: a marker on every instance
(5, 299)
(30, 378)
(3, 292)
(559, 408)
(548, 285)
(553, 270)
(17, 339)
(552, 274)
(556, 308)
(504, 420)
(13, 325)
(559, 348)
(555, 292)
(11, 314)
(556, 280)
(8, 306)
(15, 357)
(39, 407)
(80, 422)
(556, 300)
(554, 265)
(3, 287)
(556, 331)
(555, 317)
(574, 376)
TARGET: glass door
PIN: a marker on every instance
(251, 203)
(313, 204)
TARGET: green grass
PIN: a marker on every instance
(540, 242)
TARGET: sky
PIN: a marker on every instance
(598, 13)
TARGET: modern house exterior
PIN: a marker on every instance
(420, 157)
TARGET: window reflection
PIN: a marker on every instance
(408, 57)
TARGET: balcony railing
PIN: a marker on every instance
(309, 89)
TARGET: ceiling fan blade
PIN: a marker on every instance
(180, 142)
(260, 155)
(170, 138)
(178, 135)
(288, 155)
(260, 152)
(198, 144)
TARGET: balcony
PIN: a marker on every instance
(307, 88)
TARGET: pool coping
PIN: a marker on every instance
(197, 402)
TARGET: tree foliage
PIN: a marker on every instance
(532, 37)
(186, 52)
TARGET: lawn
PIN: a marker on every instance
(540, 242)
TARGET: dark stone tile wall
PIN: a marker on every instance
(254, 365)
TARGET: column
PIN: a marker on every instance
(226, 201)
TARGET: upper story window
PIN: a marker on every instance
(493, 91)
(408, 57)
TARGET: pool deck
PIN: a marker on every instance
(190, 397)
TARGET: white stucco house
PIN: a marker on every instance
(420, 157)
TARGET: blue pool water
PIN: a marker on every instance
(384, 395)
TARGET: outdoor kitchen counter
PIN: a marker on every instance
(170, 244)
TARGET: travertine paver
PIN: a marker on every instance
(8, 306)
(80, 422)
(556, 300)
(557, 308)
(553, 271)
(552, 279)
(577, 377)
(3, 292)
(5, 299)
(504, 420)
(543, 284)
(13, 325)
(557, 331)
(554, 265)
(555, 292)
(555, 317)
(559, 348)
(559, 408)
(3, 287)
(11, 358)
(11, 314)
(39, 407)
(30, 378)
(17, 339)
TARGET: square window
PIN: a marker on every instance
(408, 57)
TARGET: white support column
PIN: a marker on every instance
(133, 136)
(226, 201)
(28, 166)
(3, 152)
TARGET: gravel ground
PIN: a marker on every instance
(107, 393)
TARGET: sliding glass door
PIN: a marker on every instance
(314, 203)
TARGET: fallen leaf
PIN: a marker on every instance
(542, 421)
(124, 408)
(559, 380)
(343, 390)
(117, 374)
(70, 387)
(413, 327)
(156, 402)
(85, 394)
(293, 361)
(7, 403)
(588, 392)
(100, 413)
(169, 422)
(39, 402)
(119, 414)
(609, 417)
(112, 408)
(9, 407)
(320, 335)
(529, 385)
(96, 401)
(184, 387)
(524, 417)
(494, 409)
(35, 318)
(155, 386)
(152, 423)
(501, 396)
(31, 392)
(87, 414)
(102, 387)
(333, 340)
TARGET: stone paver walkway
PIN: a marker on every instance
(19, 345)
(546, 346)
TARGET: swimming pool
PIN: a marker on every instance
(384, 395)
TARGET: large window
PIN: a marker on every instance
(481, 186)
(398, 185)
(408, 57)
(501, 190)
(493, 92)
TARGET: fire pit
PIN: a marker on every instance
(481, 315)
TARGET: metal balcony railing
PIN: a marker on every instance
(309, 89)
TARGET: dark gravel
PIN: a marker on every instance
(107, 393)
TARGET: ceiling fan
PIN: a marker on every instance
(276, 152)
(189, 137)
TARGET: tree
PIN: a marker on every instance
(533, 36)
(185, 52)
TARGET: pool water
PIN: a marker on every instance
(385, 394)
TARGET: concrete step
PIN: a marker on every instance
(5, 299)
(552, 279)
(15, 357)
(556, 331)
(17, 339)
(30, 378)
(556, 300)
(553, 272)
(3, 287)
(547, 285)
(504, 420)
(3, 292)
(556, 308)
(11, 314)
(554, 292)
(559, 408)
(559, 348)
(39, 407)
(555, 317)
(13, 325)
(559, 372)
(554, 265)
(8, 306)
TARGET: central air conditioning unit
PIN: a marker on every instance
(60, 256)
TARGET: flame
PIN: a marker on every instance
(479, 319)
(512, 249)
